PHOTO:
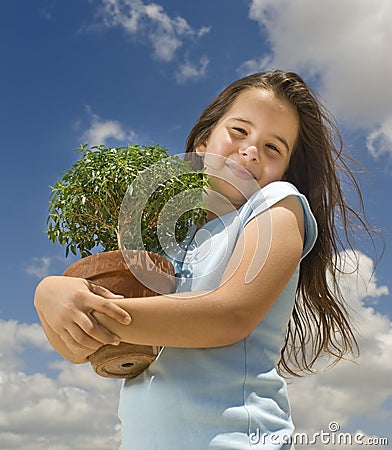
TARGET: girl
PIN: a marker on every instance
(261, 293)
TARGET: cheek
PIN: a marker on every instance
(218, 149)
(275, 172)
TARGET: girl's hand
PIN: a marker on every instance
(66, 305)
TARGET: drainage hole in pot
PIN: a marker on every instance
(129, 364)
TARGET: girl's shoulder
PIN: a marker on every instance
(272, 193)
(269, 196)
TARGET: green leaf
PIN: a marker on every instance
(84, 204)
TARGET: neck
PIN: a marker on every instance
(217, 204)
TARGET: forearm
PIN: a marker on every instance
(181, 320)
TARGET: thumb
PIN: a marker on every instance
(102, 291)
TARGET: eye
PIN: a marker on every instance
(273, 147)
(240, 130)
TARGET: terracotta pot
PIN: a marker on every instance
(154, 275)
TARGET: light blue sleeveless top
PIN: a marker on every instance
(225, 398)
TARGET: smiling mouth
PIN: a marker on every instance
(239, 171)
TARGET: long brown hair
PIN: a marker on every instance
(320, 318)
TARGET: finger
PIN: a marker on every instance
(102, 291)
(110, 309)
(72, 339)
(93, 340)
(91, 328)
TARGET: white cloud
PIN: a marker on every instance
(341, 44)
(190, 71)
(151, 23)
(101, 131)
(73, 410)
(351, 390)
(39, 267)
(358, 285)
(379, 142)
(42, 266)
(13, 339)
(36, 412)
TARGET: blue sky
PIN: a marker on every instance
(119, 71)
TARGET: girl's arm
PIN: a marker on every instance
(78, 320)
(229, 313)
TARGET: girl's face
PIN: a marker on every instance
(251, 145)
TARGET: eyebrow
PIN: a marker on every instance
(281, 139)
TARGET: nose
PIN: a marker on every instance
(250, 153)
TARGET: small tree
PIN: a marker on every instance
(85, 204)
